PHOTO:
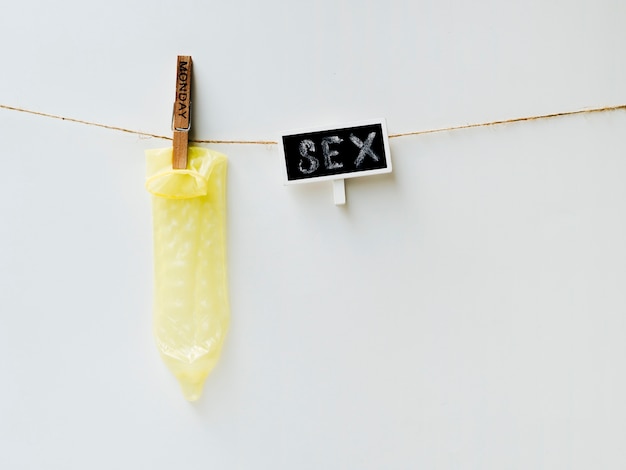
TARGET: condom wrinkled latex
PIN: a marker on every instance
(191, 310)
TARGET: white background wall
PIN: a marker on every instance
(465, 312)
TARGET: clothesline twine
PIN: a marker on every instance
(272, 142)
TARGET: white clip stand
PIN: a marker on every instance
(316, 154)
(339, 192)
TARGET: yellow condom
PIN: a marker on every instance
(191, 312)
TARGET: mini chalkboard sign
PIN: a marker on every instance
(336, 153)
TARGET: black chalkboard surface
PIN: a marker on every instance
(335, 153)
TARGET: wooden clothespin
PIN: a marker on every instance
(181, 116)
